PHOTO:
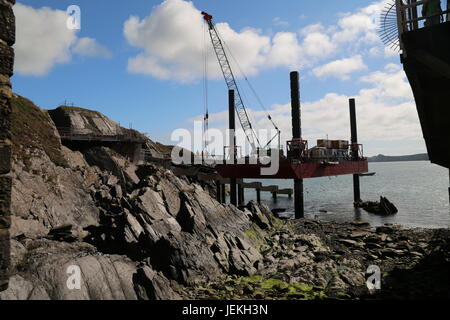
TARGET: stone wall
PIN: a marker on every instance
(7, 39)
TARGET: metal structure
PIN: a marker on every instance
(354, 150)
(401, 16)
(388, 26)
(299, 163)
(83, 135)
(231, 82)
(426, 61)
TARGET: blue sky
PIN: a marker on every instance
(127, 69)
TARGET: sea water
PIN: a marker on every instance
(419, 189)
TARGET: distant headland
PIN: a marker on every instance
(414, 157)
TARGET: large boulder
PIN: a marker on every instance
(45, 272)
(113, 163)
(152, 285)
(50, 195)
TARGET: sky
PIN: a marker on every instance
(141, 63)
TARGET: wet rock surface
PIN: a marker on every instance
(308, 259)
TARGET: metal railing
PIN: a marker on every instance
(352, 152)
(86, 134)
(408, 17)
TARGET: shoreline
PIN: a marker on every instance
(317, 260)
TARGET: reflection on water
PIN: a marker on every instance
(418, 189)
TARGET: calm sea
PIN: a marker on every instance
(418, 189)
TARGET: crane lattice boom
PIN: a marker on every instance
(231, 82)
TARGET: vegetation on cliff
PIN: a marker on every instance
(33, 129)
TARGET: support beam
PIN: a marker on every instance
(232, 127)
(218, 191)
(241, 199)
(258, 195)
(269, 188)
(224, 194)
(252, 185)
(296, 134)
(298, 199)
(354, 139)
(285, 191)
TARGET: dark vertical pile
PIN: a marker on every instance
(7, 39)
(354, 139)
(296, 134)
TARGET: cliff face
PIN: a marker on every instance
(134, 231)
(7, 39)
(84, 121)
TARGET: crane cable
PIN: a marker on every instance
(240, 94)
(249, 84)
(256, 95)
(205, 91)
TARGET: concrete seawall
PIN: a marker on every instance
(7, 39)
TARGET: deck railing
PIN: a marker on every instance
(409, 16)
(79, 134)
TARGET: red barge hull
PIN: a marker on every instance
(290, 170)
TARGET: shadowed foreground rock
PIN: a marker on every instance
(7, 40)
(134, 232)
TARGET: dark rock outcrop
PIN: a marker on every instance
(94, 209)
(384, 207)
(7, 39)
(44, 273)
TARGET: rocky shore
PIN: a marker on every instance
(138, 231)
(309, 259)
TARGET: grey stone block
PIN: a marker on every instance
(6, 59)
(5, 158)
(5, 257)
(5, 118)
(7, 24)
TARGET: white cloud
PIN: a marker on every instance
(43, 40)
(361, 26)
(172, 40)
(385, 109)
(318, 45)
(286, 51)
(390, 84)
(172, 43)
(374, 52)
(277, 21)
(317, 27)
(389, 52)
(90, 48)
(340, 68)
